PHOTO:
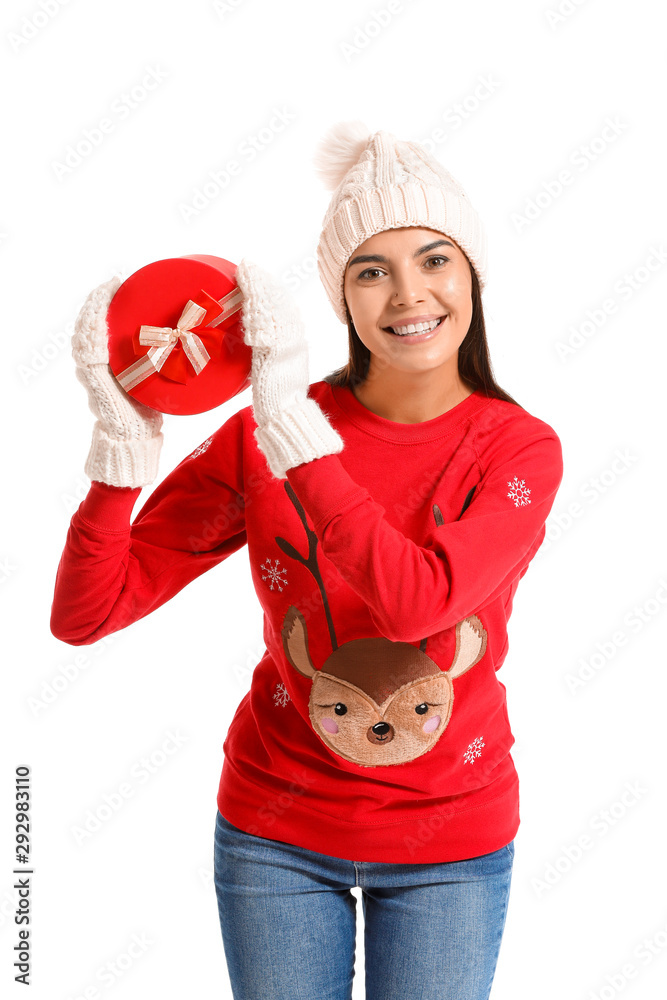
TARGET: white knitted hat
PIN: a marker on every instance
(381, 182)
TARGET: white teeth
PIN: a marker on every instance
(401, 331)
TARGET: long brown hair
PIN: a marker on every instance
(474, 361)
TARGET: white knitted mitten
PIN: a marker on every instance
(291, 427)
(127, 436)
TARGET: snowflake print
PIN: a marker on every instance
(202, 448)
(519, 492)
(281, 697)
(275, 575)
(474, 750)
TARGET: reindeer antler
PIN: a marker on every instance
(311, 560)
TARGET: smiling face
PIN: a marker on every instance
(403, 275)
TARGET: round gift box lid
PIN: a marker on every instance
(209, 337)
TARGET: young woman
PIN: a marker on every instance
(390, 511)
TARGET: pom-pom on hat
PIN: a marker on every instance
(380, 182)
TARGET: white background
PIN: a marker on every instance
(535, 91)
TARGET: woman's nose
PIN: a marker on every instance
(407, 290)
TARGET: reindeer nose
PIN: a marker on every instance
(381, 732)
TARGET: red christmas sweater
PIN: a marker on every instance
(375, 727)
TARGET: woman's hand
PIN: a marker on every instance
(291, 427)
(127, 435)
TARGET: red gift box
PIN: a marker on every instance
(176, 336)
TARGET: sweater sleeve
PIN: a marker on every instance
(113, 572)
(413, 591)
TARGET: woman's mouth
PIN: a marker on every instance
(420, 331)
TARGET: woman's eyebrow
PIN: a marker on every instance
(377, 258)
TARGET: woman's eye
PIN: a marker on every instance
(364, 275)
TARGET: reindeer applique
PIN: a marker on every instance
(374, 701)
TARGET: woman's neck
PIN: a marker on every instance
(411, 397)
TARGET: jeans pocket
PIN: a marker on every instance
(510, 849)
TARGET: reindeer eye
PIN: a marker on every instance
(425, 705)
(340, 708)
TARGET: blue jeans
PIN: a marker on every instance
(288, 922)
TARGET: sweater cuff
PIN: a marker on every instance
(108, 508)
(325, 488)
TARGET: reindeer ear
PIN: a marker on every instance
(295, 642)
(470, 645)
